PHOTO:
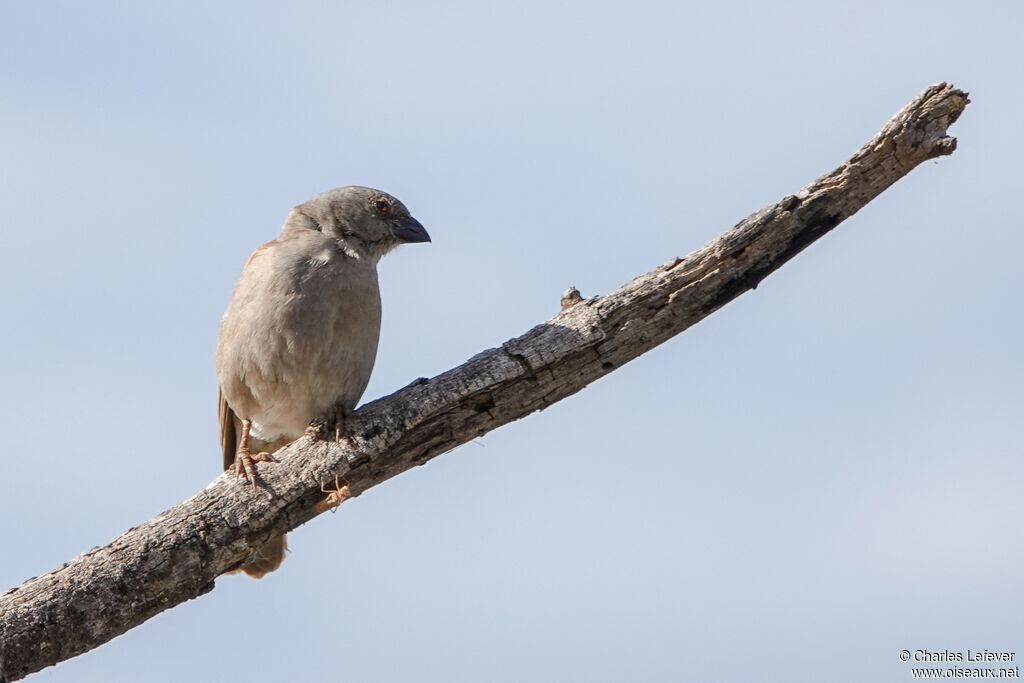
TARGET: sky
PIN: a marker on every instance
(822, 474)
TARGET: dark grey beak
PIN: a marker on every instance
(409, 230)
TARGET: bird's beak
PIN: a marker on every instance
(409, 230)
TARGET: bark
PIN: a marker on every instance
(176, 556)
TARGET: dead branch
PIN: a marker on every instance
(176, 556)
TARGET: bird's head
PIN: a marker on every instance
(369, 222)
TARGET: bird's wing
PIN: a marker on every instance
(230, 429)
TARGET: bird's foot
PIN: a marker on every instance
(333, 422)
(245, 463)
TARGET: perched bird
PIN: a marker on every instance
(299, 338)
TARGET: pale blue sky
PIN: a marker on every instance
(825, 472)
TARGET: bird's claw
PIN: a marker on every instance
(245, 464)
(333, 421)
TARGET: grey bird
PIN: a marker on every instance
(299, 338)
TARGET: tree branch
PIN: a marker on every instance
(176, 556)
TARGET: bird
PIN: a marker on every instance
(298, 340)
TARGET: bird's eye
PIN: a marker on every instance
(382, 206)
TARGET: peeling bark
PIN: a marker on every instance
(176, 556)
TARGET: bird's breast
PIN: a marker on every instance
(314, 346)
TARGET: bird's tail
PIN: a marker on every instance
(270, 555)
(266, 558)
